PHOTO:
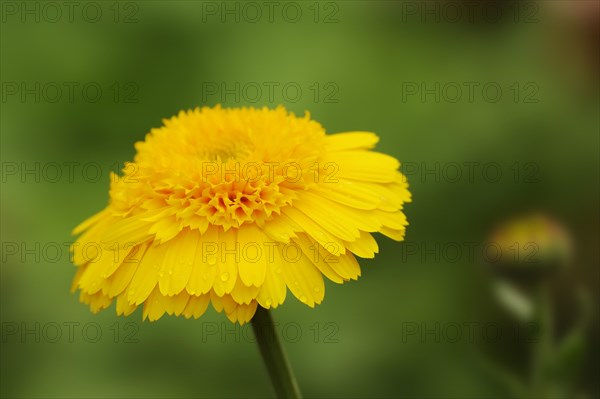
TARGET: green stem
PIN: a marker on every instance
(543, 350)
(279, 369)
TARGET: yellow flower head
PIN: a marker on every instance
(530, 242)
(233, 207)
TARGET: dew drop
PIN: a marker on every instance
(212, 260)
(297, 283)
(303, 298)
(268, 302)
(156, 266)
(317, 289)
(224, 276)
(170, 272)
(161, 274)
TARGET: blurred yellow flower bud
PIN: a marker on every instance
(530, 248)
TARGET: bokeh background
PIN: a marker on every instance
(429, 317)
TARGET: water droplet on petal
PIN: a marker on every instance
(170, 272)
(317, 289)
(268, 302)
(224, 276)
(212, 260)
(303, 298)
(161, 274)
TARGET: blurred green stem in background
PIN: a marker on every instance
(282, 377)
(543, 350)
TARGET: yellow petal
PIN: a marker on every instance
(350, 219)
(344, 195)
(123, 306)
(350, 141)
(281, 228)
(146, 275)
(127, 232)
(93, 278)
(321, 235)
(394, 220)
(205, 268)
(242, 293)
(86, 224)
(88, 247)
(246, 312)
(229, 304)
(227, 263)
(196, 306)
(365, 246)
(177, 266)
(96, 301)
(396, 235)
(345, 265)
(242, 313)
(216, 301)
(154, 307)
(329, 221)
(175, 304)
(304, 280)
(77, 277)
(252, 261)
(165, 229)
(119, 280)
(310, 249)
(273, 290)
(360, 165)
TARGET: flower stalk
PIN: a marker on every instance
(280, 372)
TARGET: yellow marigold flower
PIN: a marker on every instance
(233, 207)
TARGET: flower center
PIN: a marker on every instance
(220, 167)
(224, 149)
(231, 202)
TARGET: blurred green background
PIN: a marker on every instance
(357, 64)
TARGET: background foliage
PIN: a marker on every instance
(168, 56)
